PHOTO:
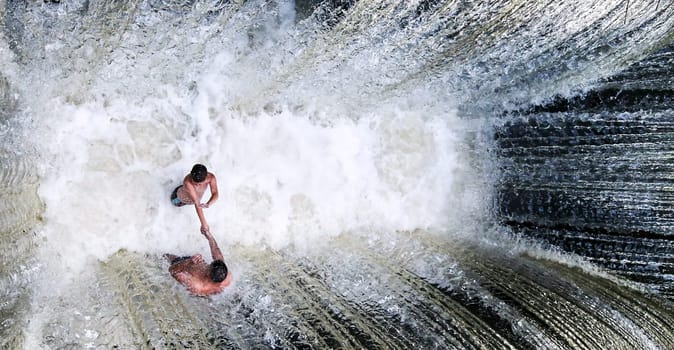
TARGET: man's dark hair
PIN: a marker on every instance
(199, 172)
(218, 271)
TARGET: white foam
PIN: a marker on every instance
(293, 167)
(283, 179)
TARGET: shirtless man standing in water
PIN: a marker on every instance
(200, 278)
(193, 188)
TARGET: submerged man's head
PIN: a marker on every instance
(198, 173)
(218, 271)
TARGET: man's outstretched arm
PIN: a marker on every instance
(191, 192)
(202, 218)
(215, 250)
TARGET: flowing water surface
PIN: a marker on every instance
(392, 174)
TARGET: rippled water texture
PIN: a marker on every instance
(392, 174)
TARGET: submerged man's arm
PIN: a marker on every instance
(183, 277)
(215, 250)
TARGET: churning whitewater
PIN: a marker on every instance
(389, 174)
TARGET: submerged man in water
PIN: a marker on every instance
(200, 278)
(193, 188)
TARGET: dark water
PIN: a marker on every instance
(591, 174)
(395, 175)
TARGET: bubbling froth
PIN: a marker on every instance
(294, 164)
(283, 179)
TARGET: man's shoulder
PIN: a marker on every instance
(226, 281)
(204, 286)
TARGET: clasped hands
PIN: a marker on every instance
(206, 231)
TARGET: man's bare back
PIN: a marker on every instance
(199, 277)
